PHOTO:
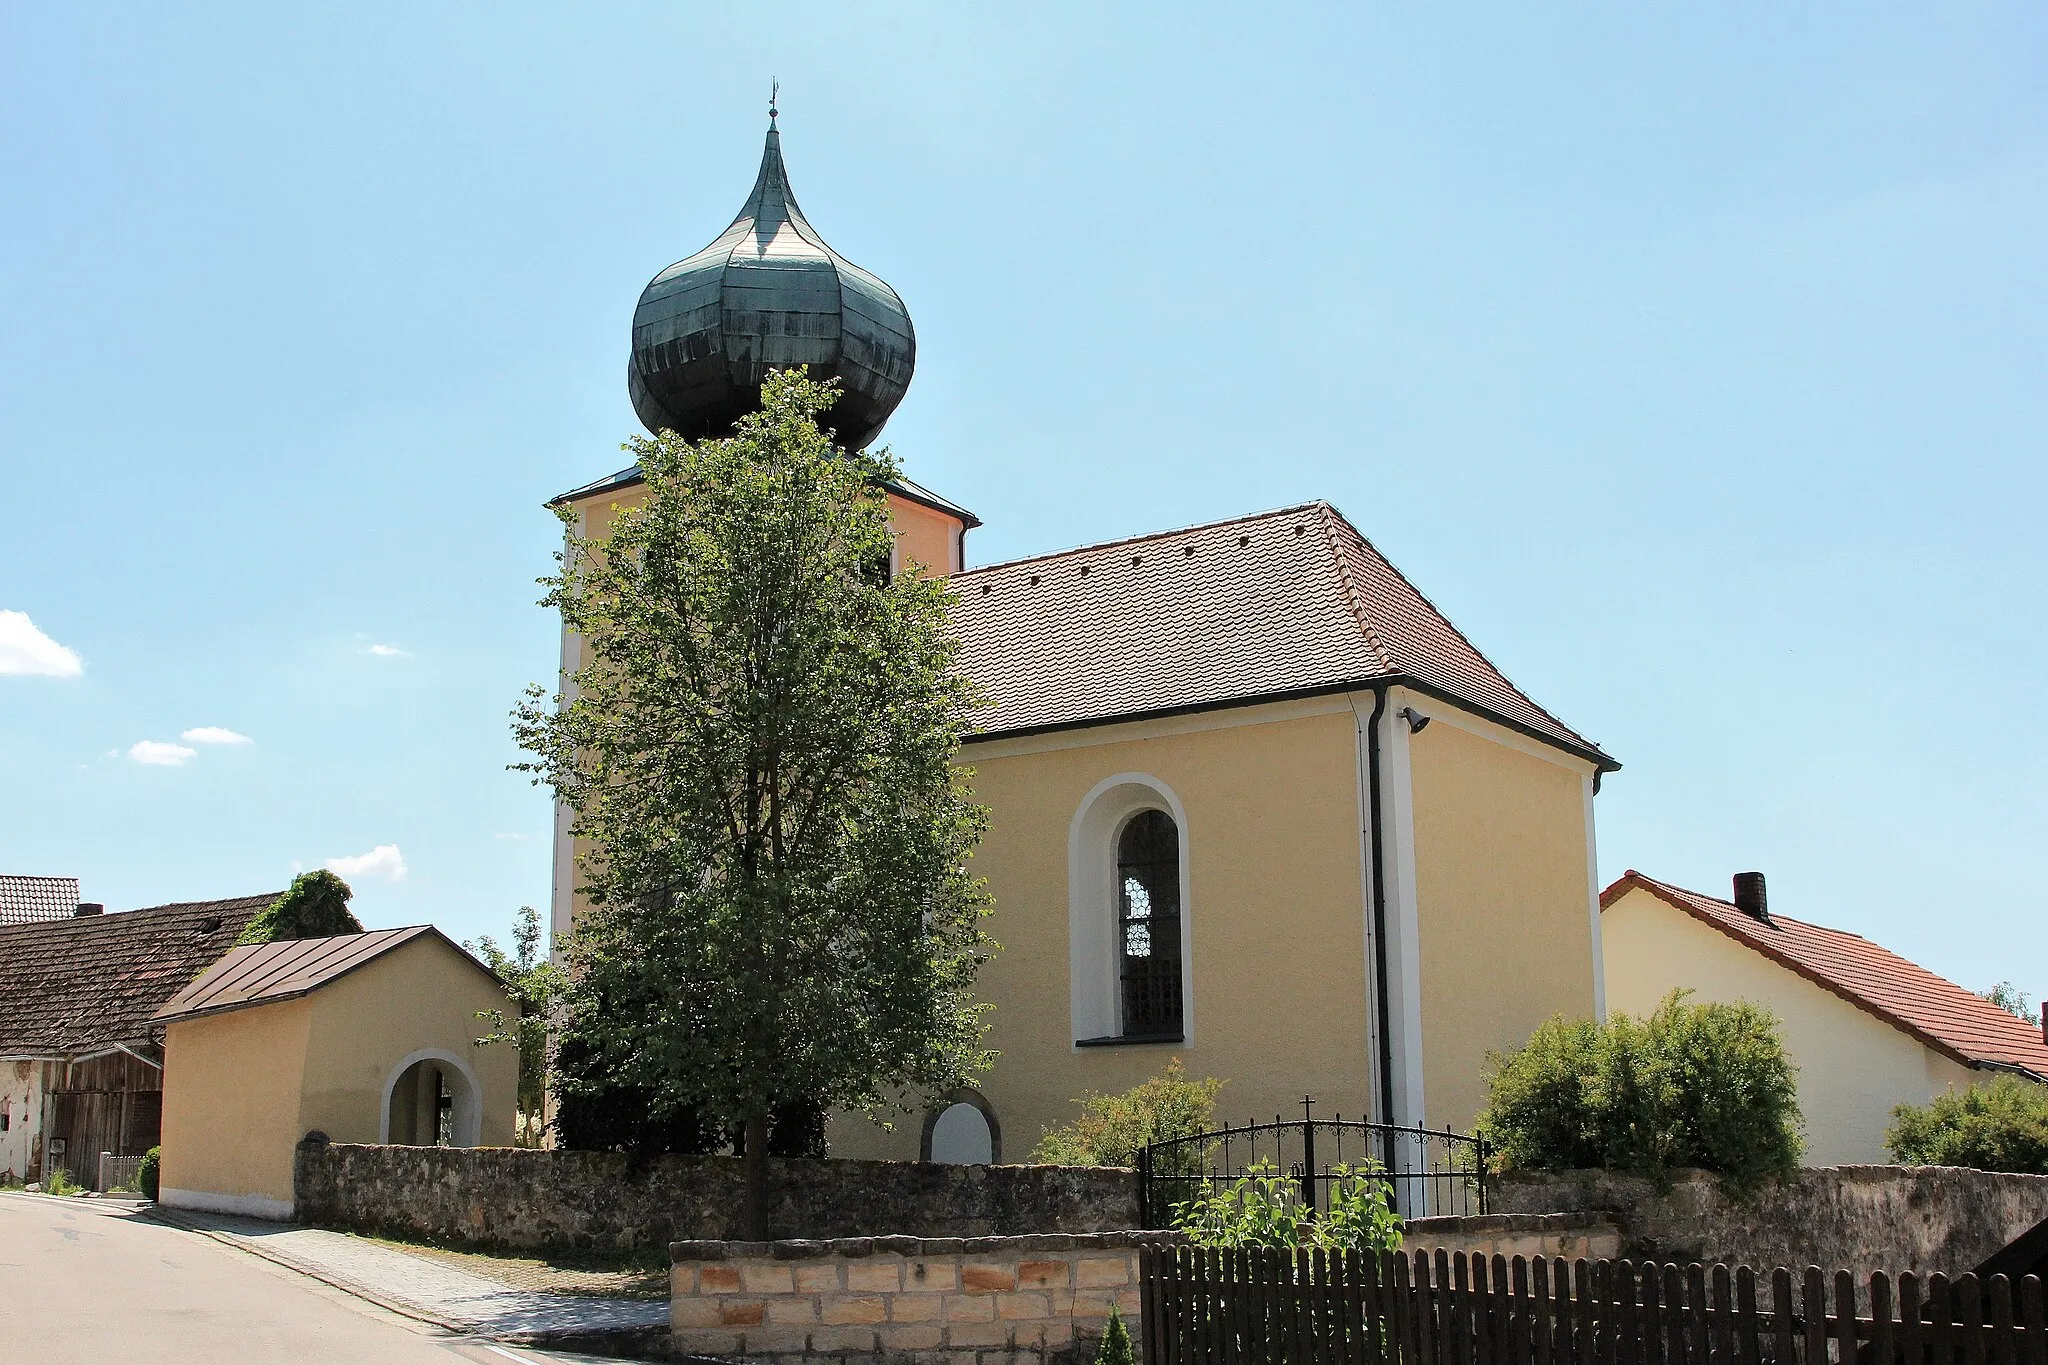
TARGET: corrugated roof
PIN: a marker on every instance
(264, 973)
(1938, 1012)
(74, 986)
(29, 900)
(1283, 603)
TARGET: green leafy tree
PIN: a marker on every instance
(2002, 1126)
(1693, 1085)
(533, 983)
(1113, 1128)
(146, 1175)
(315, 906)
(758, 751)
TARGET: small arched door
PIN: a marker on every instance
(432, 1101)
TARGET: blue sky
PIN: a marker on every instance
(1692, 363)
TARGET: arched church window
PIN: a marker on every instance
(1148, 924)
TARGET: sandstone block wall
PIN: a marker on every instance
(1041, 1300)
(513, 1198)
(1594, 1236)
(1862, 1218)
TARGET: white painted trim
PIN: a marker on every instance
(468, 1110)
(1593, 904)
(1404, 920)
(1091, 902)
(1124, 732)
(242, 1205)
(1372, 975)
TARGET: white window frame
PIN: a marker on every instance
(1093, 951)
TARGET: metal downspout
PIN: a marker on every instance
(1378, 872)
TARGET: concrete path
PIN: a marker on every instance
(441, 1294)
(89, 1282)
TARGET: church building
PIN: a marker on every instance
(1254, 801)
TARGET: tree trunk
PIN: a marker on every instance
(756, 1213)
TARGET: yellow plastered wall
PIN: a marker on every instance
(422, 994)
(1504, 904)
(1853, 1067)
(1275, 914)
(929, 537)
(232, 1087)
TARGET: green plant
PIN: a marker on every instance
(146, 1175)
(1693, 1085)
(60, 1183)
(315, 906)
(1261, 1209)
(2002, 1126)
(1112, 1128)
(1116, 1342)
(533, 982)
(757, 751)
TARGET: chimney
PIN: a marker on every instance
(89, 908)
(1749, 896)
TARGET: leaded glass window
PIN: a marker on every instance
(1148, 924)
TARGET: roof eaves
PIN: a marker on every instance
(903, 488)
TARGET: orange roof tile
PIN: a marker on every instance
(1941, 1014)
(1288, 603)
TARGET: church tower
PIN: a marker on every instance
(769, 293)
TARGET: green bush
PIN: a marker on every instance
(2002, 1126)
(146, 1174)
(1261, 1209)
(1112, 1128)
(1116, 1342)
(1705, 1086)
(315, 906)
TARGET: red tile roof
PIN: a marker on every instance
(1293, 602)
(29, 900)
(71, 987)
(263, 973)
(1939, 1013)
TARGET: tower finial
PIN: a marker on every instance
(774, 91)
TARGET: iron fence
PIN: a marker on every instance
(1430, 1170)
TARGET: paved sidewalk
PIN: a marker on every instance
(426, 1289)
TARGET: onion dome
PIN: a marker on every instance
(767, 295)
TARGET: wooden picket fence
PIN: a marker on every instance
(1261, 1306)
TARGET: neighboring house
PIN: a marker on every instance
(1219, 828)
(367, 1037)
(32, 900)
(81, 1064)
(1868, 1029)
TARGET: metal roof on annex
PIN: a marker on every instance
(265, 973)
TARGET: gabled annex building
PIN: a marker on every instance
(1255, 801)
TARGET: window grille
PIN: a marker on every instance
(1148, 924)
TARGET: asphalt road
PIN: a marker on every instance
(92, 1283)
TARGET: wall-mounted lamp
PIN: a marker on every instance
(1416, 720)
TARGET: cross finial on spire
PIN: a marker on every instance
(774, 91)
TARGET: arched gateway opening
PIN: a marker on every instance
(432, 1100)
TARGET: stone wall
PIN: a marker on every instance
(522, 1199)
(975, 1301)
(1594, 1236)
(1863, 1218)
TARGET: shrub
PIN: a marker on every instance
(2002, 1126)
(60, 1183)
(1260, 1209)
(1116, 1342)
(1112, 1128)
(146, 1175)
(315, 906)
(1705, 1086)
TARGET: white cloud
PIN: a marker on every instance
(214, 734)
(382, 861)
(389, 652)
(26, 650)
(513, 837)
(157, 753)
